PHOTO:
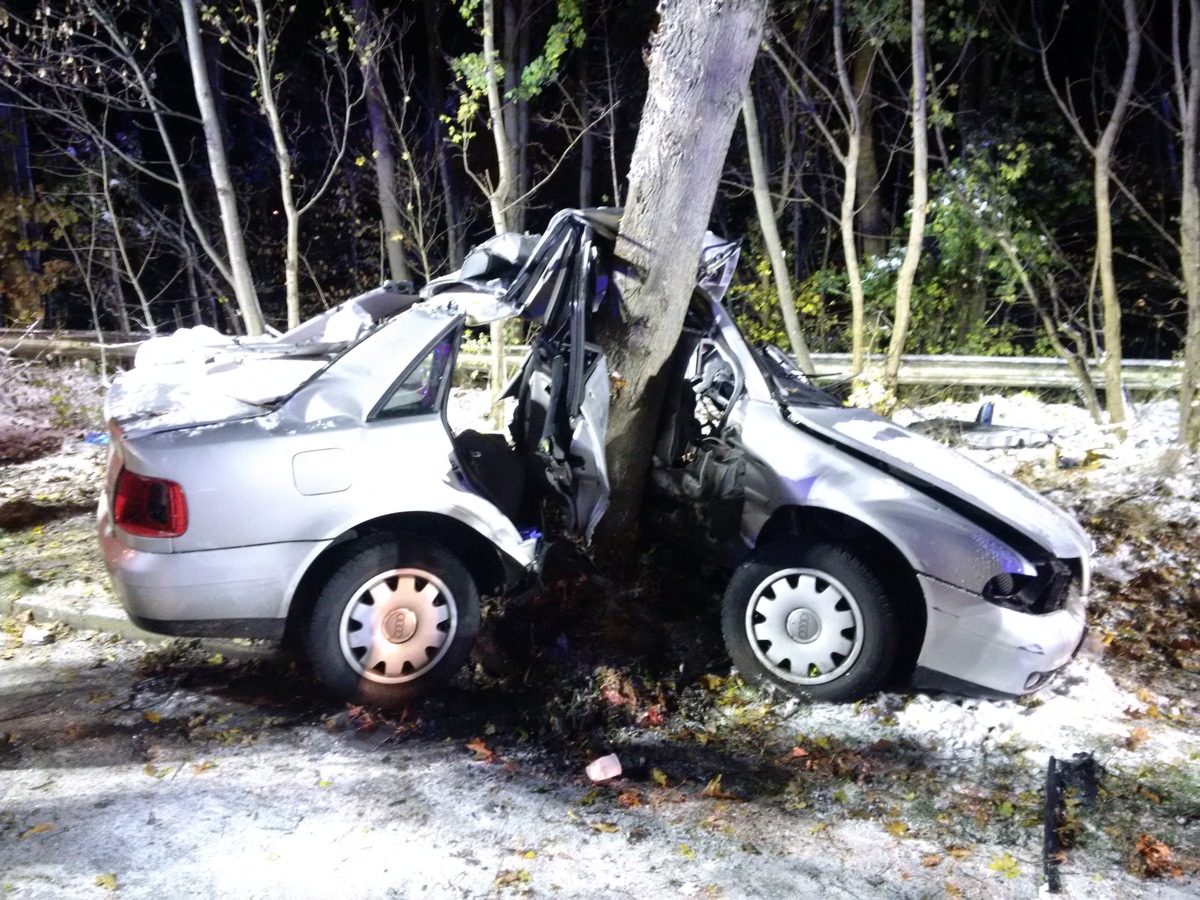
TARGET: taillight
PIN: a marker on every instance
(150, 507)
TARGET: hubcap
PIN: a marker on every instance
(398, 625)
(804, 626)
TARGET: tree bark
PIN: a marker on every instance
(771, 238)
(455, 239)
(916, 228)
(381, 141)
(1187, 88)
(700, 64)
(1114, 394)
(871, 224)
(243, 280)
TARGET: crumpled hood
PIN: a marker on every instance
(927, 463)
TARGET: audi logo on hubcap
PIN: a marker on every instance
(803, 625)
(399, 625)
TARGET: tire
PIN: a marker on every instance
(395, 620)
(812, 619)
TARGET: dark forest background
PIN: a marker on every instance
(93, 230)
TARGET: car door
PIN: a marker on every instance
(563, 391)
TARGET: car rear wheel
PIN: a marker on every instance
(813, 619)
(395, 620)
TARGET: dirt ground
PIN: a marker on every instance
(203, 769)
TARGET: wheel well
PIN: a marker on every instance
(472, 549)
(812, 524)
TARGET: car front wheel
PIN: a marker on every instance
(396, 619)
(813, 619)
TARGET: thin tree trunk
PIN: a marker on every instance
(1110, 302)
(1188, 97)
(587, 144)
(916, 229)
(770, 231)
(119, 238)
(283, 160)
(870, 213)
(243, 280)
(118, 294)
(501, 193)
(700, 64)
(455, 240)
(381, 141)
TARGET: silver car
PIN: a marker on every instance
(314, 482)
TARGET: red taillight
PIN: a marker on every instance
(150, 507)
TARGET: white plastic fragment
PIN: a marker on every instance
(33, 636)
(604, 768)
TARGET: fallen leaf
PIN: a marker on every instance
(929, 860)
(714, 790)
(629, 799)
(529, 854)
(1005, 865)
(896, 828)
(1005, 809)
(152, 717)
(659, 777)
(107, 881)
(201, 768)
(1152, 858)
(712, 683)
(1137, 737)
(959, 852)
(953, 890)
(323, 783)
(799, 753)
(653, 716)
(481, 751)
(686, 852)
(38, 829)
(606, 827)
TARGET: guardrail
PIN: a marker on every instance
(1142, 375)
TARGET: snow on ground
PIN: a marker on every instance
(918, 794)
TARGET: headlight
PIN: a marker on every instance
(1041, 593)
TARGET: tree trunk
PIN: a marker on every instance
(853, 95)
(243, 281)
(587, 144)
(501, 194)
(1110, 302)
(771, 238)
(870, 213)
(381, 141)
(699, 67)
(455, 239)
(916, 228)
(1188, 96)
(283, 160)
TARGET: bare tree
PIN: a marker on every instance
(1187, 96)
(1102, 151)
(771, 238)
(239, 263)
(920, 197)
(847, 101)
(368, 45)
(257, 45)
(77, 58)
(700, 63)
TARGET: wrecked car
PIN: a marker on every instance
(315, 483)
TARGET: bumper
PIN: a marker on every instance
(993, 650)
(233, 592)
